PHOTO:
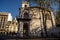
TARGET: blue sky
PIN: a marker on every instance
(12, 6)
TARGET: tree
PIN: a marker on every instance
(45, 3)
(58, 15)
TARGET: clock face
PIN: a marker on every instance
(35, 23)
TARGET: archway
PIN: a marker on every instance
(26, 15)
(25, 29)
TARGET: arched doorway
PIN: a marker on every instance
(25, 29)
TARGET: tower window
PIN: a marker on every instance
(26, 15)
(25, 6)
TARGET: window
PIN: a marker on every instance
(25, 6)
(26, 15)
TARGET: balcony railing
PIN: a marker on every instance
(23, 18)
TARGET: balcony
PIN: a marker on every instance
(23, 19)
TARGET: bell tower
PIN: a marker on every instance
(23, 20)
